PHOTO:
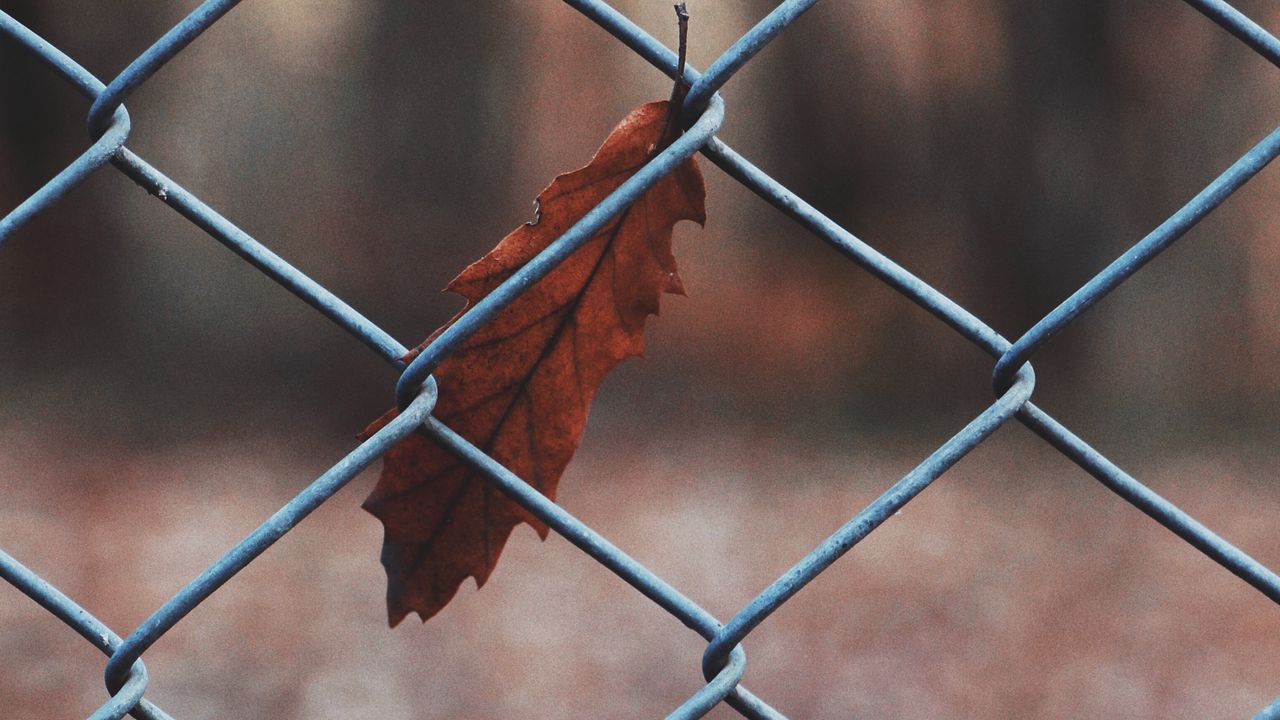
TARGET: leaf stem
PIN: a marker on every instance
(672, 129)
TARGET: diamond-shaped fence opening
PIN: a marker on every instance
(724, 661)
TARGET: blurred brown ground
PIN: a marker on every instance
(158, 398)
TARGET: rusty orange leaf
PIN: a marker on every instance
(520, 387)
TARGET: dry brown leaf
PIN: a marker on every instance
(521, 386)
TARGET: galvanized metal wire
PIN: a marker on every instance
(724, 660)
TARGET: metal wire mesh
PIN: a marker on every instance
(724, 660)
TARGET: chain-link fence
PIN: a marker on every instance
(724, 660)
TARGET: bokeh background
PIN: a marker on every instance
(158, 398)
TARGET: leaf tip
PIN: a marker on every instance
(675, 285)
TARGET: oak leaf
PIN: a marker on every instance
(521, 386)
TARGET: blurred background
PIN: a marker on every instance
(159, 398)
